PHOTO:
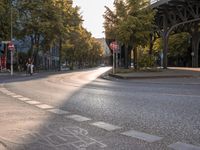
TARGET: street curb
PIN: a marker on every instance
(105, 75)
(151, 77)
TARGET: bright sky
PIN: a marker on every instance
(92, 11)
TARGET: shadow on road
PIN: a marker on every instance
(52, 131)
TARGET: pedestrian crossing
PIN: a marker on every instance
(149, 138)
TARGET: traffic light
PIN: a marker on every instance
(1, 50)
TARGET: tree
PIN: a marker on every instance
(178, 53)
(48, 23)
(71, 19)
(132, 22)
(5, 19)
(81, 48)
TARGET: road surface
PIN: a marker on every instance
(81, 111)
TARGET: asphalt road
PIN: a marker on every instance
(79, 111)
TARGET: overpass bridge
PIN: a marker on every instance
(179, 16)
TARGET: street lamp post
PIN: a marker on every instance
(11, 37)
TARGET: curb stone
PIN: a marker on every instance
(150, 77)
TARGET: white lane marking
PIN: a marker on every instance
(106, 126)
(24, 99)
(7, 92)
(183, 146)
(17, 96)
(142, 136)
(58, 111)
(32, 102)
(181, 95)
(3, 90)
(78, 118)
(10, 93)
(44, 106)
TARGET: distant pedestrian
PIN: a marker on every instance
(29, 65)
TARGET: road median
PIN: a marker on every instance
(165, 73)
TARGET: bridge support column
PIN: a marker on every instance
(195, 53)
(195, 46)
(165, 42)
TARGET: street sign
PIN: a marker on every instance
(114, 46)
(11, 46)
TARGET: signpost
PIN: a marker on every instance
(11, 47)
(115, 47)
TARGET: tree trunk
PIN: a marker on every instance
(126, 57)
(60, 48)
(135, 58)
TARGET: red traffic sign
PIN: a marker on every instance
(11, 46)
(114, 46)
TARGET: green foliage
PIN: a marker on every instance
(42, 21)
(5, 19)
(146, 60)
(178, 45)
(81, 48)
(131, 22)
(178, 48)
(48, 23)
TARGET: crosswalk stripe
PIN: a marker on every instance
(78, 118)
(17, 96)
(10, 93)
(44, 106)
(3, 90)
(24, 99)
(32, 102)
(58, 111)
(106, 126)
(142, 136)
